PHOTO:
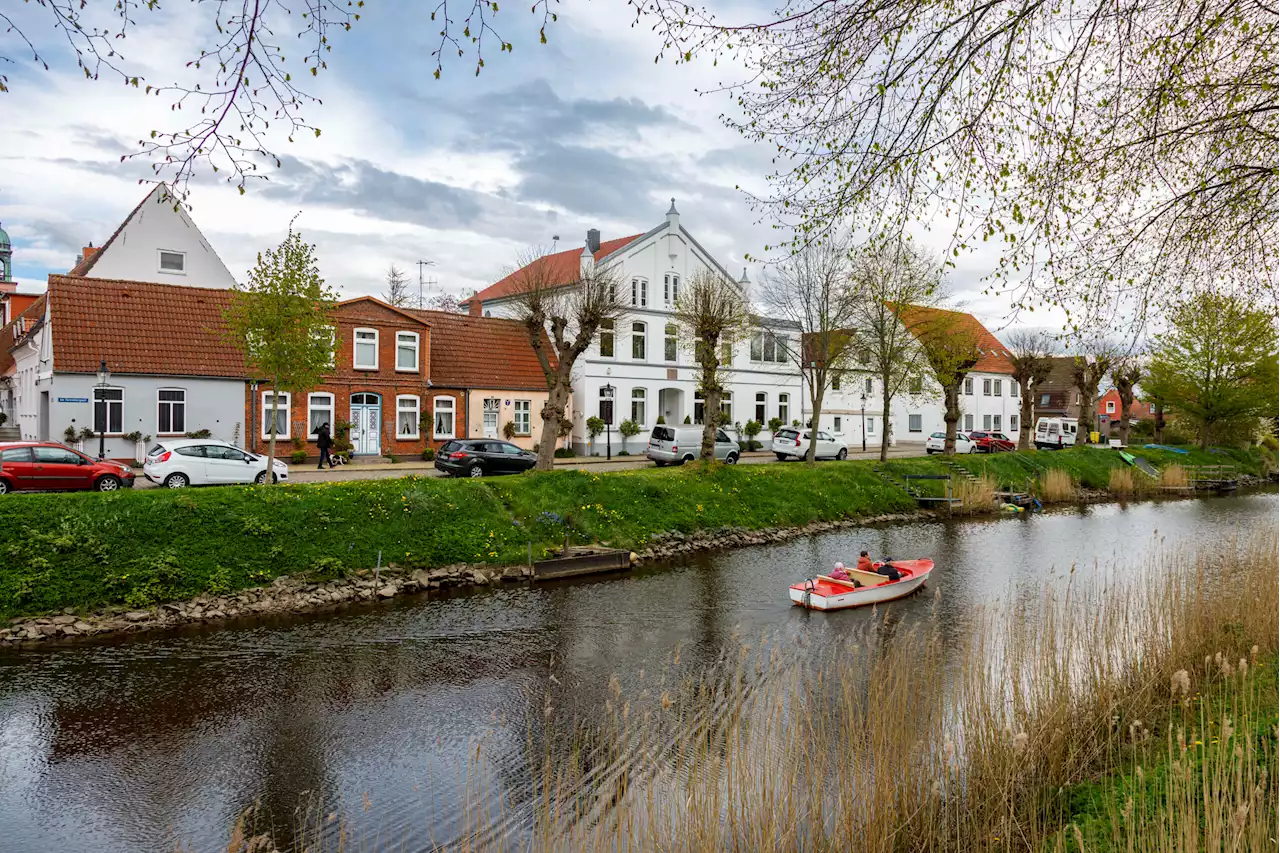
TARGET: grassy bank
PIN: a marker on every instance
(139, 548)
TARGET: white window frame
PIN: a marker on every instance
(332, 341)
(997, 388)
(285, 400)
(437, 410)
(784, 409)
(762, 408)
(416, 404)
(726, 407)
(610, 330)
(640, 395)
(1013, 423)
(996, 421)
(640, 292)
(527, 412)
(355, 348)
(171, 403)
(915, 423)
(643, 335)
(986, 423)
(871, 426)
(160, 253)
(406, 339)
(986, 387)
(1013, 388)
(670, 288)
(835, 425)
(311, 433)
(968, 387)
(1111, 407)
(671, 335)
(867, 387)
(968, 423)
(107, 404)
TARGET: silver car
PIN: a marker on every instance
(681, 444)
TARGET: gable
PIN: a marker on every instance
(367, 309)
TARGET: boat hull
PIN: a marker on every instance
(824, 595)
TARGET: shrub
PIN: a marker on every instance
(751, 429)
(1056, 485)
(298, 457)
(629, 429)
(87, 433)
(564, 453)
(69, 435)
(200, 433)
(298, 443)
(688, 419)
(595, 426)
(509, 430)
(5, 418)
(660, 420)
(775, 424)
(622, 453)
(134, 436)
(429, 454)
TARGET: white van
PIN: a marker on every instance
(681, 444)
(1055, 433)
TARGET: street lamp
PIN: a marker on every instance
(607, 394)
(863, 428)
(104, 376)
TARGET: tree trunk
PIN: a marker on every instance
(1204, 435)
(951, 414)
(884, 431)
(271, 440)
(811, 455)
(1158, 426)
(552, 415)
(710, 422)
(1084, 423)
(1027, 416)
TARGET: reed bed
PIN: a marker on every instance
(1174, 476)
(976, 495)
(1156, 679)
(1057, 486)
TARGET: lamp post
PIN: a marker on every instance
(104, 376)
(607, 391)
(863, 426)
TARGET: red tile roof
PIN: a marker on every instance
(32, 312)
(995, 355)
(91, 255)
(563, 268)
(140, 327)
(481, 352)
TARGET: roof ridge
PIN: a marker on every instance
(82, 268)
(85, 280)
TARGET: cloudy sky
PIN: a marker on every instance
(549, 140)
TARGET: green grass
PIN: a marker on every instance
(135, 549)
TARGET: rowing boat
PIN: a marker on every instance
(862, 588)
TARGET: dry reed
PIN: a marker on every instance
(1174, 477)
(1122, 482)
(976, 495)
(1057, 486)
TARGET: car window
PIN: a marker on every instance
(510, 449)
(218, 451)
(722, 438)
(57, 456)
(449, 447)
(196, 450)
(788, 433)
(663, 433)
(825, 436)
(156, 451)
(15, 454)
(938, 435)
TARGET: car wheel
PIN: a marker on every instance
(107, 484)
(660, 463)
(731, 459)
(476, 471)
(843, 454)
(686, 459)
(262, 478)
(782, 457)
(929, 451)
(4, 487)
(176, 481)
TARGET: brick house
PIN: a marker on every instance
(1109, 406)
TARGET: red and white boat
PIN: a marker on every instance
(826, 593)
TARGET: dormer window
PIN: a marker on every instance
(173, 262)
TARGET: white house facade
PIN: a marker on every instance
(643, 361)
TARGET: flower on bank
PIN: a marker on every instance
(1180, 683)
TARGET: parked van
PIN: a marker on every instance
(681, 444)
(1055, 433)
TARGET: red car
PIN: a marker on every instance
(991, 442)
(47, 466)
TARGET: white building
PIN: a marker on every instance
(644, 359)
(988, 399)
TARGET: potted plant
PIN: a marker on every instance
(70, 437)
(139, 444)
(509, 430)
(595, 426)
(661, 420)
(86, 435)
(628, 428)
(751, 429)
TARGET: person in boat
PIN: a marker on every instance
(864, 563)
(886, 568)
(838, 573)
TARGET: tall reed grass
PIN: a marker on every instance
(926, 738)
(1057, 486)
(1174, 476)
(976, 495)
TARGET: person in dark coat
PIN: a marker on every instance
(324, 442)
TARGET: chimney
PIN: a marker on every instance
(85, 253)
(593, 240)
(673, 216)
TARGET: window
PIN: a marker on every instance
(637, 405)
(915, 423)
(986, 387)
(327, 337)
(319, 412)
(916, 386)
(366, 349)
(173, 262)
(57, 456)
(281, 422)
(864, 357)
(871, 426)
(108, 410)
(986, 422)
(1111, 407)
(407, 352)
(866, 386)
(726, 407)
(1151, 408)
(1013, 388)
(524, 409)
(996, 387)
(670, 288)
(407, 416)
(442, 408)
(762, 407)
(1013, 423)
(757, 347)
(835, 381)
(968, 387)
(699, 407)
(968, 423)
(637, 341)
(995, 422)
(669, 348)
(836, 423)
(767, 347)
(784, 408)
(1044, 399)
(15, 454)
(606, 339)
(606, 402)
(726, 353)
(639, 292)
(171, 411)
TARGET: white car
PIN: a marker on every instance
(793, 442)
(181, 462)
(937, 443)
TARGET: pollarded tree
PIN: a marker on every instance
(1216, 365)
(281, 318)
(711, 313)
(1087, 372)
(951, 348)
(1126, 373)
(562, 319)
(1031, 354)
(815, 290)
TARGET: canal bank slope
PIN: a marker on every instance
(104, 562)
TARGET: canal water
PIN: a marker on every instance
(157, 743)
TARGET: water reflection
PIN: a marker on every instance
(138, 744)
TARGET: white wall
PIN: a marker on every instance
(134, 254)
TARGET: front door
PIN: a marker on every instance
(366, 424)
(491, 417)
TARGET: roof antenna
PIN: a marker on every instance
(555, 241)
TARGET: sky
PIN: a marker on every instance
(466, 171)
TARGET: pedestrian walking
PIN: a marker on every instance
(324, 442)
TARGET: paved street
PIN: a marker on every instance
(382, 471)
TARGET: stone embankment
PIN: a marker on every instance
(302, 595)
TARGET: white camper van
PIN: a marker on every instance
(1055, 433)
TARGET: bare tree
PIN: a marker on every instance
(892, 278)
(447, 302)
(1125, 373)
(952, 350)
(814, 289)
(1087, 372)
(1031, 354)
(711, 312)
(397, 292)
(562, 319)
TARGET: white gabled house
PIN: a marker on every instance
(642, 357)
